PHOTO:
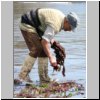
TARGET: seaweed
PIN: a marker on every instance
(52, 90)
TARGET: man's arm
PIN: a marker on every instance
(47, 38)
(46, 47)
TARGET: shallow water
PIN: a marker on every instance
(74, 43)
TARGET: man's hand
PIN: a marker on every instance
(53, 61)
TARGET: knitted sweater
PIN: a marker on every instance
(51, 17)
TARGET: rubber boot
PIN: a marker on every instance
(43, 70)
(26, 68)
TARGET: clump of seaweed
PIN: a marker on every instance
(51, 90)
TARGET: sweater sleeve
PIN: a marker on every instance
(48, 34)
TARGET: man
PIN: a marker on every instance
(38, 29)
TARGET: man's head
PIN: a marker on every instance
(71, 22)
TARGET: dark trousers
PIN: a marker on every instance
(34, 44)
(36, 50)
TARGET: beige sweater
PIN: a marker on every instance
(51, 17)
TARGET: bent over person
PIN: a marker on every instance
(38, 29)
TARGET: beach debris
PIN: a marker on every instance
(51, 90)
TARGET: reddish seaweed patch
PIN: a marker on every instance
(51, 90)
